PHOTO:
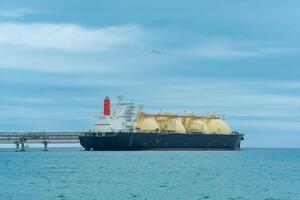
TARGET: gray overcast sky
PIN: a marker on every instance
(59, 59)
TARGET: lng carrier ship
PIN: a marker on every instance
(123, 127)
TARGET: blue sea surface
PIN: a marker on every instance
(71, 173)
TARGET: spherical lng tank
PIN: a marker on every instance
(171, 124)
(187, 120)
(148, 125)
(179, 128)
(218, 126)
(198, 126)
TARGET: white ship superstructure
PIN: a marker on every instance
(122, 117)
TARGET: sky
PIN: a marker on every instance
(238, 59)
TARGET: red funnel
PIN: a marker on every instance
(106, 110)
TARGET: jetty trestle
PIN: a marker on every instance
(22, 138)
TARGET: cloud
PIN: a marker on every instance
(69, 48)
(268, 125)
(219, 49)
(68, 36)
(15, 13)
(17, 112)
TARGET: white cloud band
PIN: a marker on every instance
(68, 36)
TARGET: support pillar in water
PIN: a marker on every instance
(22, 146)
(17, 145)
(45, 145)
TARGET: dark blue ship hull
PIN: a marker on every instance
(160, 141)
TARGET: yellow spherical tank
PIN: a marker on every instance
(172, 125)
(148, 124)
(187, 121)
(198, 126)
(218, 126)
(162, 125)
(179, 128)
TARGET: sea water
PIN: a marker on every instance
(76, 174)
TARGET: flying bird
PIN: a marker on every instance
(156, 52)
